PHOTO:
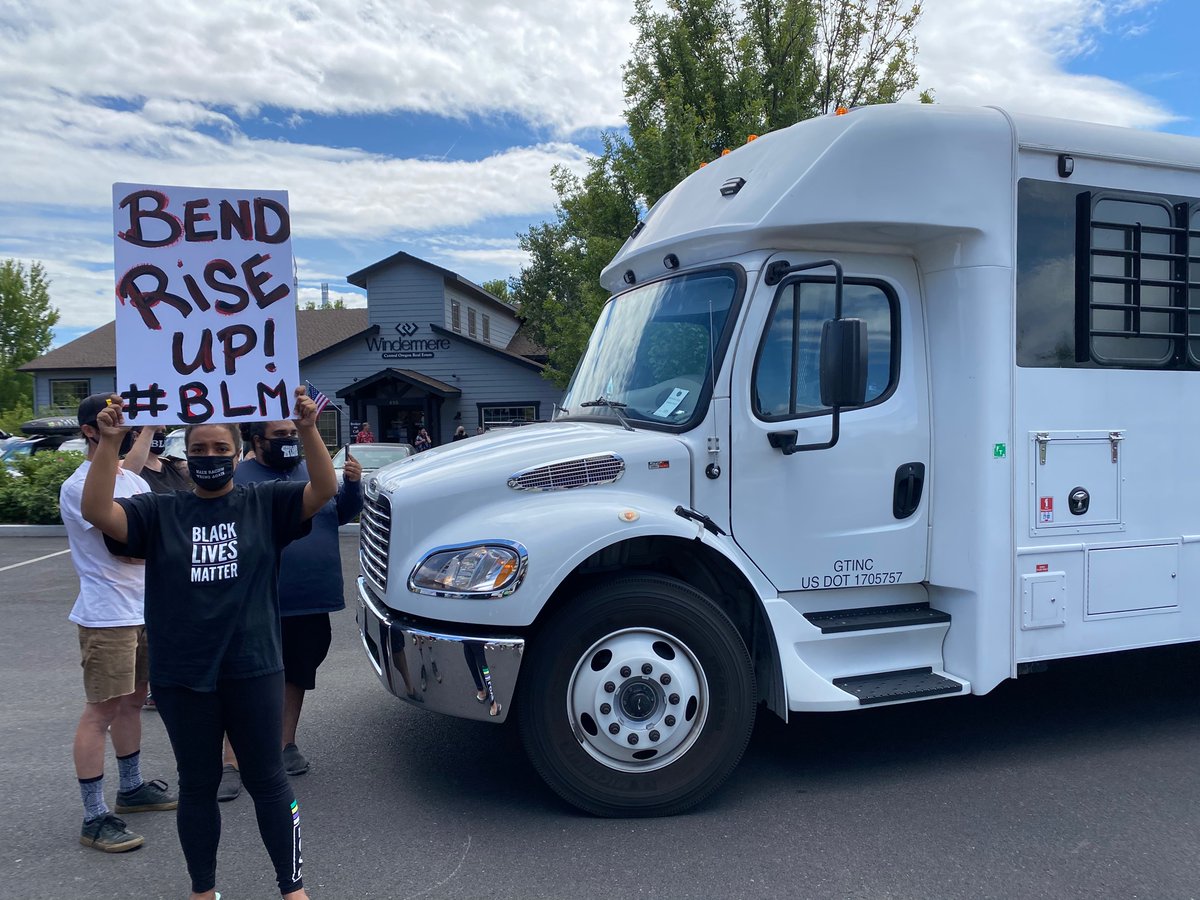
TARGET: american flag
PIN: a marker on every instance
(317, 397)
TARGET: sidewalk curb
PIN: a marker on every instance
(33, 531)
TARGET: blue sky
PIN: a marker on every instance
(432, 127)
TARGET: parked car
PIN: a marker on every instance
(22, 448)
(371, 456)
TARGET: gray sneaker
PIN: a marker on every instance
(231, 784)
(151, 796)
(294, 762)
(108, 833)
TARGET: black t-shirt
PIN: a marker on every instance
(212, 575)
(167, 480)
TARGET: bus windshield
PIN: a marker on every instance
(651, 355)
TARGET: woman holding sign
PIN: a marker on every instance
(212, 620)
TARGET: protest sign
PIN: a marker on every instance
(206, 307)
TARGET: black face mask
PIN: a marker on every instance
(126, 443)
(158, 444)
(281, 453)
(210, 472)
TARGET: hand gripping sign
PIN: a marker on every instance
(206, 311)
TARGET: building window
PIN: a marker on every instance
(455, 316)
(329, 426)
(787, 377)
(504, 416)
(487, 328)
(470, 322)
(66, 395)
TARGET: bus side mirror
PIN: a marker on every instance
(843, 363)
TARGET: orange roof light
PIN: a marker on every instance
(841, 111)
(702, 165)
(725, 152)
(751, 137)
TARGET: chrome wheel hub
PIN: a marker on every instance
(637, 699)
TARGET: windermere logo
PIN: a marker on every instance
(406, 346)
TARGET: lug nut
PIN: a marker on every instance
(605, 709)
(654, 735)
(674, 698)
(664, 678)
(626, 671)
(647, 668)
(633, 738)
(669, 721)
(614, 728)
(609, 687)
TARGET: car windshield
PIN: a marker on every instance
(652, 351)
(373, 456)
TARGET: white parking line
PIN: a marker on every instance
(36, 559)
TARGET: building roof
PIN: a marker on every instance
(523, 345)
(317, 331)
(359, 279)
(407, 376)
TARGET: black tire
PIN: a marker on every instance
(694, 643)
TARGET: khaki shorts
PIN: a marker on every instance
(114, 661)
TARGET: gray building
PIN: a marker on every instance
(431, 348)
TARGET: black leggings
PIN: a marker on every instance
(250, 711)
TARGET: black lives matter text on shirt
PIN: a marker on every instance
(212, 572)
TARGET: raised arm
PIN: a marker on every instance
(322, 482)
(97, 505)
(135, 459)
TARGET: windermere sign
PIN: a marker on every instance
(406, 346)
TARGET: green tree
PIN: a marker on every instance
(26, 328)
(703, 76)
(497, 287)
(338, 303)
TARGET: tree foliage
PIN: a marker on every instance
(26, 323)
(497, 287)
(702, 77)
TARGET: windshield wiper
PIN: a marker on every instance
(615, 405)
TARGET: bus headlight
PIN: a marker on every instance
(487, 569)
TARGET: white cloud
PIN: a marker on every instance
(977, 52)
(552, 63)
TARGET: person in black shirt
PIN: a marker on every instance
(212, 620)
(163, 477)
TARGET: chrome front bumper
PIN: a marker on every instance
(440, 672)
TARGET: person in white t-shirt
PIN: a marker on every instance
(112, 643)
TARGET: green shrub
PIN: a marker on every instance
(31, 498)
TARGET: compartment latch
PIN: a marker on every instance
(1115, 438)
(1042, 438)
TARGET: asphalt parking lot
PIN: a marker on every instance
(1080, 782)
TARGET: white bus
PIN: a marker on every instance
(886, 407)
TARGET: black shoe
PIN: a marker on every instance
(151, 796)
(231, 784)
(294, 762)
(108, 833)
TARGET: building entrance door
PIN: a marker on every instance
(399, 424)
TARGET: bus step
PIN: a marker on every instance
(905, 684)
(839, 620)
